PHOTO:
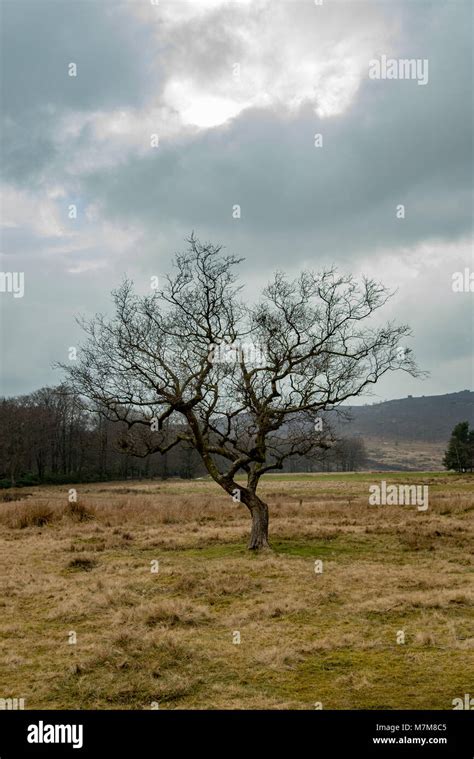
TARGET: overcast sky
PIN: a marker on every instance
(236, 92)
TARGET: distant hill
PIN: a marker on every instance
(409, 433)
(429, 417)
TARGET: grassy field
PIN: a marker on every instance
(146, 638)
(405, 454)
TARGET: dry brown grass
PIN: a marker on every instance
(167, 636)
(405, 454)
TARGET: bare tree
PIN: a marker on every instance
(242, 384)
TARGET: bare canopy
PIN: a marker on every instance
(244, 385)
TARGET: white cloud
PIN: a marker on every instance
(322, 60)
(23, 209)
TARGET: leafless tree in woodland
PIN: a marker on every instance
(244, 385)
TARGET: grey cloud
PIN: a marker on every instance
(40, 39)
(114, 54)
(397, 143)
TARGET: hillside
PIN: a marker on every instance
(409, 433)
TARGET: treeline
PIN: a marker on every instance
(49, 437)
(348, 454)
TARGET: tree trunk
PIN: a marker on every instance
(259, 533)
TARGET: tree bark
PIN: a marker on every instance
(259, 532)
